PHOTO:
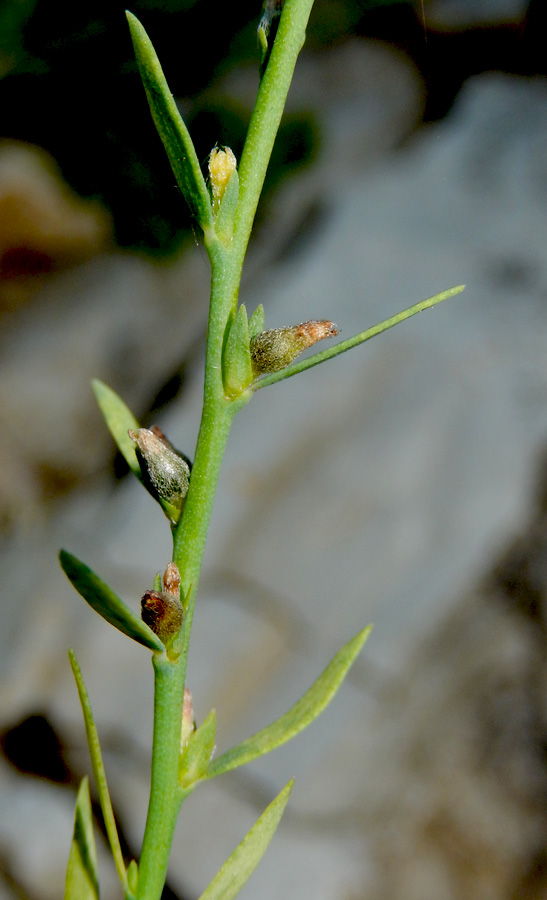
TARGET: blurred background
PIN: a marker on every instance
(403, 484)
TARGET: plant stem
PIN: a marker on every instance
(217, 415)
(188, 546)
(165, 797)
(264, 124)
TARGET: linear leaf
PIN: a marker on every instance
(99, 772)
(354, 341)
(170, 126)
(82, 879)
(103, 600)
(119, 420)
(238, 868)
(302, 714)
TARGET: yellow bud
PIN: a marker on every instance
(221, 165)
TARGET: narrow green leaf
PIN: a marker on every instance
(119, 420)
(99, 772)
(170, 126)
(82, 878)
(238, 868)
(224, 222)
(104, 601)
(237, 372)
(256, 322)
(197, 753)
(317, 358)
(302, 714)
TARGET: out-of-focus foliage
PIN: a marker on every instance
(70, 85)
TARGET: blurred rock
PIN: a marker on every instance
(460, 738)
(460, 14)
(44, 226)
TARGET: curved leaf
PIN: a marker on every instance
(104, 601)
(170, 126)
(238, 868)
(302, 714)
(82, 879)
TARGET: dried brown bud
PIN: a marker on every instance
(274, 349)
(162, 613)
(171, 580)
(165, 471)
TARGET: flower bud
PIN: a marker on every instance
(222, 163)
(165, 471)
(162, 613)
(274, 349)
(171, 580)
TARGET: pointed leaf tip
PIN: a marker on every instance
(238, 868)
(170, 126)
(302, 714)
(104, 601)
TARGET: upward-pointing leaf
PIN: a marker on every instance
(99, 772)
(238, 868)
(236, 358)
(298, 717)
(170, 126)
(103, 600)
(119, 420)
(82, 881)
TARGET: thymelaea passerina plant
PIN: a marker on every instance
(242, 358)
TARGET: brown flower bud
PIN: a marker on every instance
(162, 613)
(165, 471)
(274, 349)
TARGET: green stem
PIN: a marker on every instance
(165, 796)
(265, 120)
(188, 546)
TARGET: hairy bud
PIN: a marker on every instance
(274, 349)
(165, 471)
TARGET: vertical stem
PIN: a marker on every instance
(266, 117)
(189, 543)
(190, 535)
(165, 797)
